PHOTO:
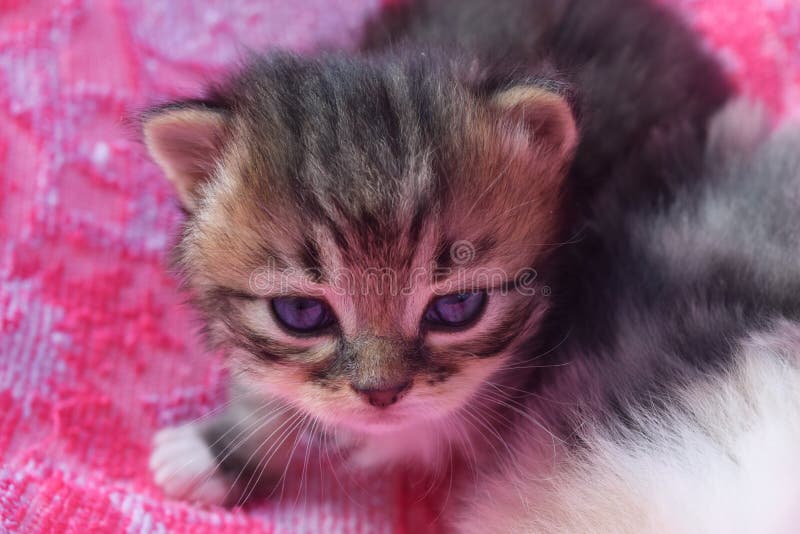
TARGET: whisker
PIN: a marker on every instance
(334, 471)
(449, 489)
(258, 410)
(523, 367)
(487, 426)
(516, 365)
(531, 393)
(194, 482)
(434, 478)
(291, 454)
(489, 188)
(257, 450)
(295, 429)
(305, 462)
(214, 411)
(523, 411)
(234, 445)
(468, 442)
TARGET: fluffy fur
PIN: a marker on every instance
(315, 194)
(455, 127)
(634, 69)
(687, 417)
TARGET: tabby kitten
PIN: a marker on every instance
(369, 235)
(677, 409)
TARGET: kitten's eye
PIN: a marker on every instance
(300, 314)
(458, 309)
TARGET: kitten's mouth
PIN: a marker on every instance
(379, 420)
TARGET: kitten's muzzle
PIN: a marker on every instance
(382, 397)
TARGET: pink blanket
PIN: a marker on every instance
(96, 349)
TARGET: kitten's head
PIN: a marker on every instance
(362, 236)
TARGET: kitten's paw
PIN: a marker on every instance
(184, 467)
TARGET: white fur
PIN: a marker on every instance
(183, 466)
(425, 445)
(732, 466)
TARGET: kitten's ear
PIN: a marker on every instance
(186, 143)
(547, 115)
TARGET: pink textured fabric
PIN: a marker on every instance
(96, 349)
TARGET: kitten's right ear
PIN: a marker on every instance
(186, 143)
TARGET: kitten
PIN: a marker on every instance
(368, 235)
(329, 201)
(676, 409)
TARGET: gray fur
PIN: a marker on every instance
(670, 402)
(667, 294)
(378, 149)
(634, 67)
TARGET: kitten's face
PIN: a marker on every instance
(363, 239)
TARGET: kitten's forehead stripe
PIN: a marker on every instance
(418, 221)
(444, 256)
(464, 254)
(338, 235)
(351, 132)
(310, 260)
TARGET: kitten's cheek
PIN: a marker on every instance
(286, 382)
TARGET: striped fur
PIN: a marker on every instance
(377, 181)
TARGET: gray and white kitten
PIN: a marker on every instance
(368, 235)
(674, 405)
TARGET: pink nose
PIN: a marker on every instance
(382, 397)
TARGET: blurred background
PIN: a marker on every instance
(96, 348)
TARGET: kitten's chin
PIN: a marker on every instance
(380, 421)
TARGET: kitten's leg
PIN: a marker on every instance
(227, 458)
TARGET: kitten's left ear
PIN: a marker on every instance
(186, 143)
(547, 115)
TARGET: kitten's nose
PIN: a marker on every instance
(382, 397)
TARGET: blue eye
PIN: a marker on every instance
(458, 309)
(301, 314)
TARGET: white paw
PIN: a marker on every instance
(183, 466)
